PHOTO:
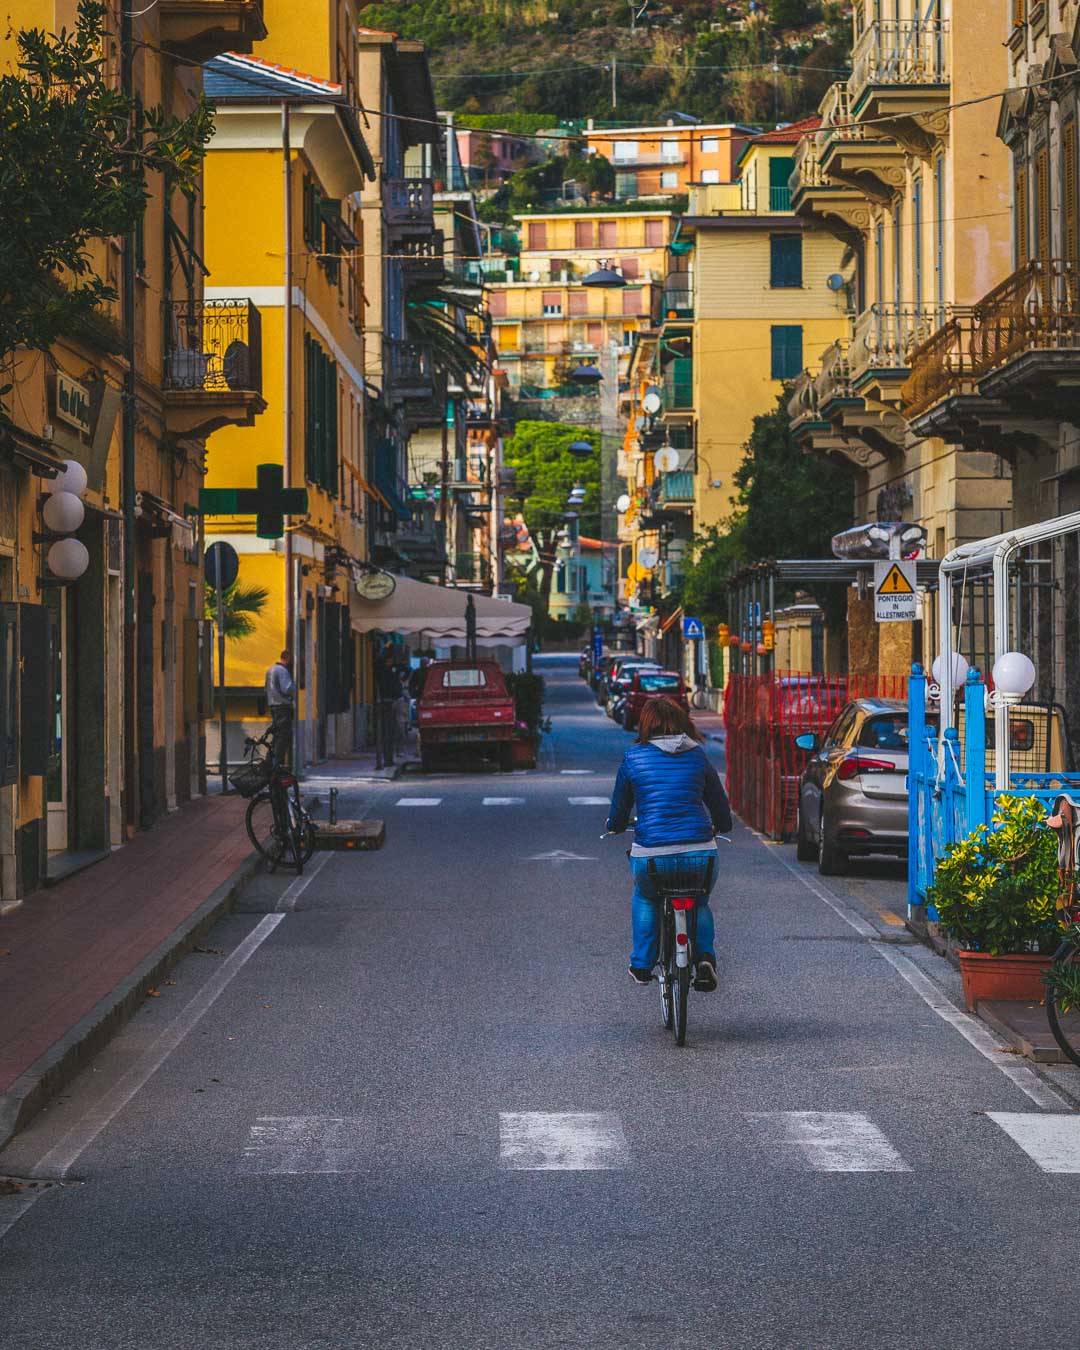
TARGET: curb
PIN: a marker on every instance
(67, 1056)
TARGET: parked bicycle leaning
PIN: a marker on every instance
(681, 807)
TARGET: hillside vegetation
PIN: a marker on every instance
(712, 58)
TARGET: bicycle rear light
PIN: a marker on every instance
(681, 939)
(682, 904)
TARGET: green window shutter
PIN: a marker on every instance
(787, 351)
(331, 483)
(785, 258)
(780, 170)
(309, 407)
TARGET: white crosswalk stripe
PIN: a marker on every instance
(562, 1141)
(588, 801)
(829, 1141)
(504, 801)
(574, 772)
(418, 801)
(306, 1146)
(1050, 1139)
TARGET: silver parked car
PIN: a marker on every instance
(853, 796)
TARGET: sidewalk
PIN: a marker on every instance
(77, 959)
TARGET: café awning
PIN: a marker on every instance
(439, 613)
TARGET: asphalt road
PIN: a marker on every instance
(414, 1101)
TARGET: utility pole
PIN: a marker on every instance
(614, 87)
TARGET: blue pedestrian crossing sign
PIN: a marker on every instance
(693, 629)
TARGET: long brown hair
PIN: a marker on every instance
(664, 717)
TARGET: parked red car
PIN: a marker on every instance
(465, 705)
(652, 684)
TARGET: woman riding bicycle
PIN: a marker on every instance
(681, 807)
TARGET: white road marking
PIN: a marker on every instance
(504, 801)
(562, 1141)
(557, 855)
(831, 1141)
(1052, 1142)
(573, 772)
(59, 1159)
(974, 1032)
(299, 885)
(306, 1146)
(419, 801)
(588, 801)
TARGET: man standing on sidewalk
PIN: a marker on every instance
(280, 699)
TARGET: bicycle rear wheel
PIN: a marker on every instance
(263, 829)
(1063, 999)
(667, 1002)
(681, 999)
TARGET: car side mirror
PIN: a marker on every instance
(809, 741)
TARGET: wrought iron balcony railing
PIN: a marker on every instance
(1036, 309)
(833, 380)
(408, 370)
(910, 52)
(836, 123)
(422, 256)
(213, 345)
(807, 172)
(676, 487)
(941, 366)
(886, 335)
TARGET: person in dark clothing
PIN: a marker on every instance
(281, 701)
(681, 807)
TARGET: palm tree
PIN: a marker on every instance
(432, 318)
(242, 605)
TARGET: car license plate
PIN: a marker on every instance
(468, 736)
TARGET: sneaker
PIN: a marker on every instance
(644, 977)
(705, 980)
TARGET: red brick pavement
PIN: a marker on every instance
(71, 945)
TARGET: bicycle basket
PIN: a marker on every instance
(251, 778)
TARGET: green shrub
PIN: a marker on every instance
(996, 890)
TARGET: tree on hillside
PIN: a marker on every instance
(545, 472)
(789, 505)
(74, 157)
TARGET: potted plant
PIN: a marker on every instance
(996, 896)
(527, 692)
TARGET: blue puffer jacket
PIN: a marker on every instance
(679, 796)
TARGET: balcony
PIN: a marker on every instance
(900, 80)
(422, 256)
(858, 156)
(198, 30)
(471, 569)
(679, 297)
(408, 204)
(408, 372)
(212, 375)
(677, 489)
(679, 385)
(649, 159)
(779, 198)
(942, 367)
(815, 194)
(831, 418)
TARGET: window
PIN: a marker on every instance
(1068, 189)
(312, 216)
(879, 262)
(785, 261)
(898, 256)
(583, 234)
(9, 686)
(497, 304)
(917, 240)
(669, 181)
(537, 234)
(787, 351)
(625, 188)
(1020, 214)
(560, 578)
(1042, 204)
(654, 233)
(320, 417)
(625, 150)
(669, 150)
(884, 733)
(710, 145)
(552, 303)
(710, 175)
(630, 268)
(469, 678)
(609, 232)
(633, 301)
(579, 302)
(939, 232)
(594, 334)
(781, 167)
(842, 727)
(652, 684)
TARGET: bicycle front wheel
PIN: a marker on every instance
(681, 993)
(1063, 1000)
(699, 699)
(263, 829)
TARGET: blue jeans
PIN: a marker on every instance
(692, 869)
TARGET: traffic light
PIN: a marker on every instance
(722, 634)
(768, 634)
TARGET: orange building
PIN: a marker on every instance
(665, 160)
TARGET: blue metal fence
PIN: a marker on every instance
(950, 788)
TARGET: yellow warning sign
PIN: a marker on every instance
(896, 597)
(895, 583)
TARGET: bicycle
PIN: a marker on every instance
(1063, 977)
(699, 698)
(279, 827)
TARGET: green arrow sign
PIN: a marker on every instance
(269, 501)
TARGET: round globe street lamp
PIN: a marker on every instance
(68, 559)
(1013, 676)
(580, 448)
(586, 375)
(63, 512)
(72, 479)
(959, 669)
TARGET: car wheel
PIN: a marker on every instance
(804, 847)
(831, 861)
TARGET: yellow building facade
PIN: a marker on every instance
(106, 674)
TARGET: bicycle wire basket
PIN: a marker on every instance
(251, 778)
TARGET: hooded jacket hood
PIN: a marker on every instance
(674, 745)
